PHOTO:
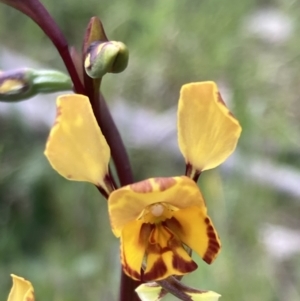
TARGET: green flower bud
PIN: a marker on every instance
(17, 85)
(104, 57)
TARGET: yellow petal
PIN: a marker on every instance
(22, 290)
(133, 244)
(76, 148)
(127, 203)
(166, 256)
(195, 229)
(207, 131)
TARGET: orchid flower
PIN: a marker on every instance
(158, 220)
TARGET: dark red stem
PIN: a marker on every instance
(115, 142)
(127, 289)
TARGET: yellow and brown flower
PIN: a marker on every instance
(156, 219)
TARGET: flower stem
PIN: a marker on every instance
(127, 288)
(116, 144)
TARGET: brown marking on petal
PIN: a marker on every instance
(207, 221)
(127, 269)
(141, 187)
(182, 265)
(158, 270)
(154, 247)
(58, 111)
(30, 297)
(220, 99)
(69, 176)
(214, 249)
(179, 263)
(173, 224)
(145, 233)
(165, 183)
(130, 272)
(210, 229)
(214, 246)
(152, 242)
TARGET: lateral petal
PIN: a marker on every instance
(195, 229)
(76, 147)
(21, 290)
(134, 240)
(207, 130)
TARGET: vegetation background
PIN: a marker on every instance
(56, 233)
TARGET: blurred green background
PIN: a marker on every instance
(56, 233)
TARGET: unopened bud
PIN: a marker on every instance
(17, 85)
(106, 57)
